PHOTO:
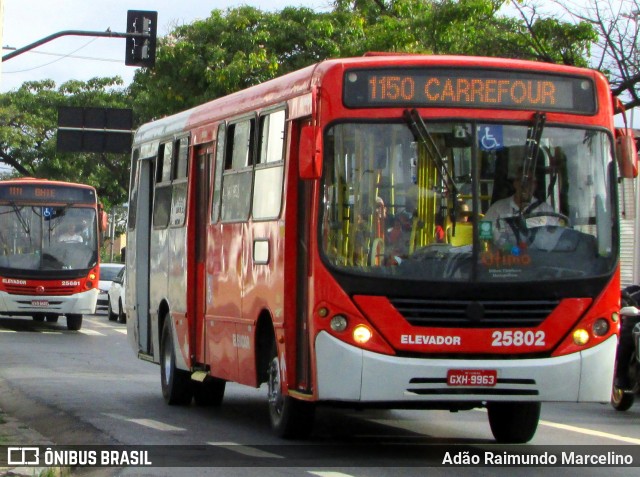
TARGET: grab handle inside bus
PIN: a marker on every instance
(310, 153)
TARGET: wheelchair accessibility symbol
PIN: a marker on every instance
(490, 137)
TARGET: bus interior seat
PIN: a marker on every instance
(463, 234)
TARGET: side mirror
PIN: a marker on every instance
(310, 153)
(629, 311)
(626, 153)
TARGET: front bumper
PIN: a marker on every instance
(347, 373)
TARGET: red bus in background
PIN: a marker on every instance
(49, 249)
(327, 233)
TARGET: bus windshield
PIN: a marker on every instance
(38, 238)
(463, 201)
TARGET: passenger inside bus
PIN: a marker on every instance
(399, 235)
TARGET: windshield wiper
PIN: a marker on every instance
(23, 222)
(532, 147)
(422, 134)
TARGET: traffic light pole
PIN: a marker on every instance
(105, 34)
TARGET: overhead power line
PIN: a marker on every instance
(60, 56)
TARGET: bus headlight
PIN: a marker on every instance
(361, 334)
(580, 337)
(339, 323)
(600, 327)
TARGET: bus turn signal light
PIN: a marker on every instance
(581, 337)
(362, 334)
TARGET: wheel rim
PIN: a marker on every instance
(274, 394)
(616, 395)
(166, 360)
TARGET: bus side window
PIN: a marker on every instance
(238, 174)
(181, 158)
(179, 182)
(217, 173)
(162, 195)
(133, 195)
(267, 187)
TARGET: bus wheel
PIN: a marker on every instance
(290, 417)
(52, 318)
(513, 422)
(176, 383)
(74, 322)
(620, 400)
(210, 392)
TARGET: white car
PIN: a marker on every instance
(108, 271)
(115, 307)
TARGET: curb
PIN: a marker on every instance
(14, 432)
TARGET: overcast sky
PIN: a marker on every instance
(27, 21)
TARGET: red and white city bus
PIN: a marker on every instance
(308, 233)
(49, 235)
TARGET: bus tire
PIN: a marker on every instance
(513, 422)
(74, 322)
(176, 383)
(52, 318)
(621, 400)
(210, 392)
(290, 418)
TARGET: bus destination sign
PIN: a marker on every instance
(45, 193)
(486, 89)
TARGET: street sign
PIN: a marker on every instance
(94, 129)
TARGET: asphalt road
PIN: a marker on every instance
(88, 388)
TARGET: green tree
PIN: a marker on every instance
(229, 51)
(28, 124)
(466, 27)
(240, 47)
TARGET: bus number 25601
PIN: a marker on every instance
(518, 338)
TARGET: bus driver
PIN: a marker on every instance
(521, 202)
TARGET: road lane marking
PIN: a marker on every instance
(100, 324)
(245, 450)
(590, 432)
(2, 330)
(121, 330)
(322, 473)
(88, 332)
(157, 425)
(584, 430)
(160, 426)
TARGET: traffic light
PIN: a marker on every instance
(141, 48)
